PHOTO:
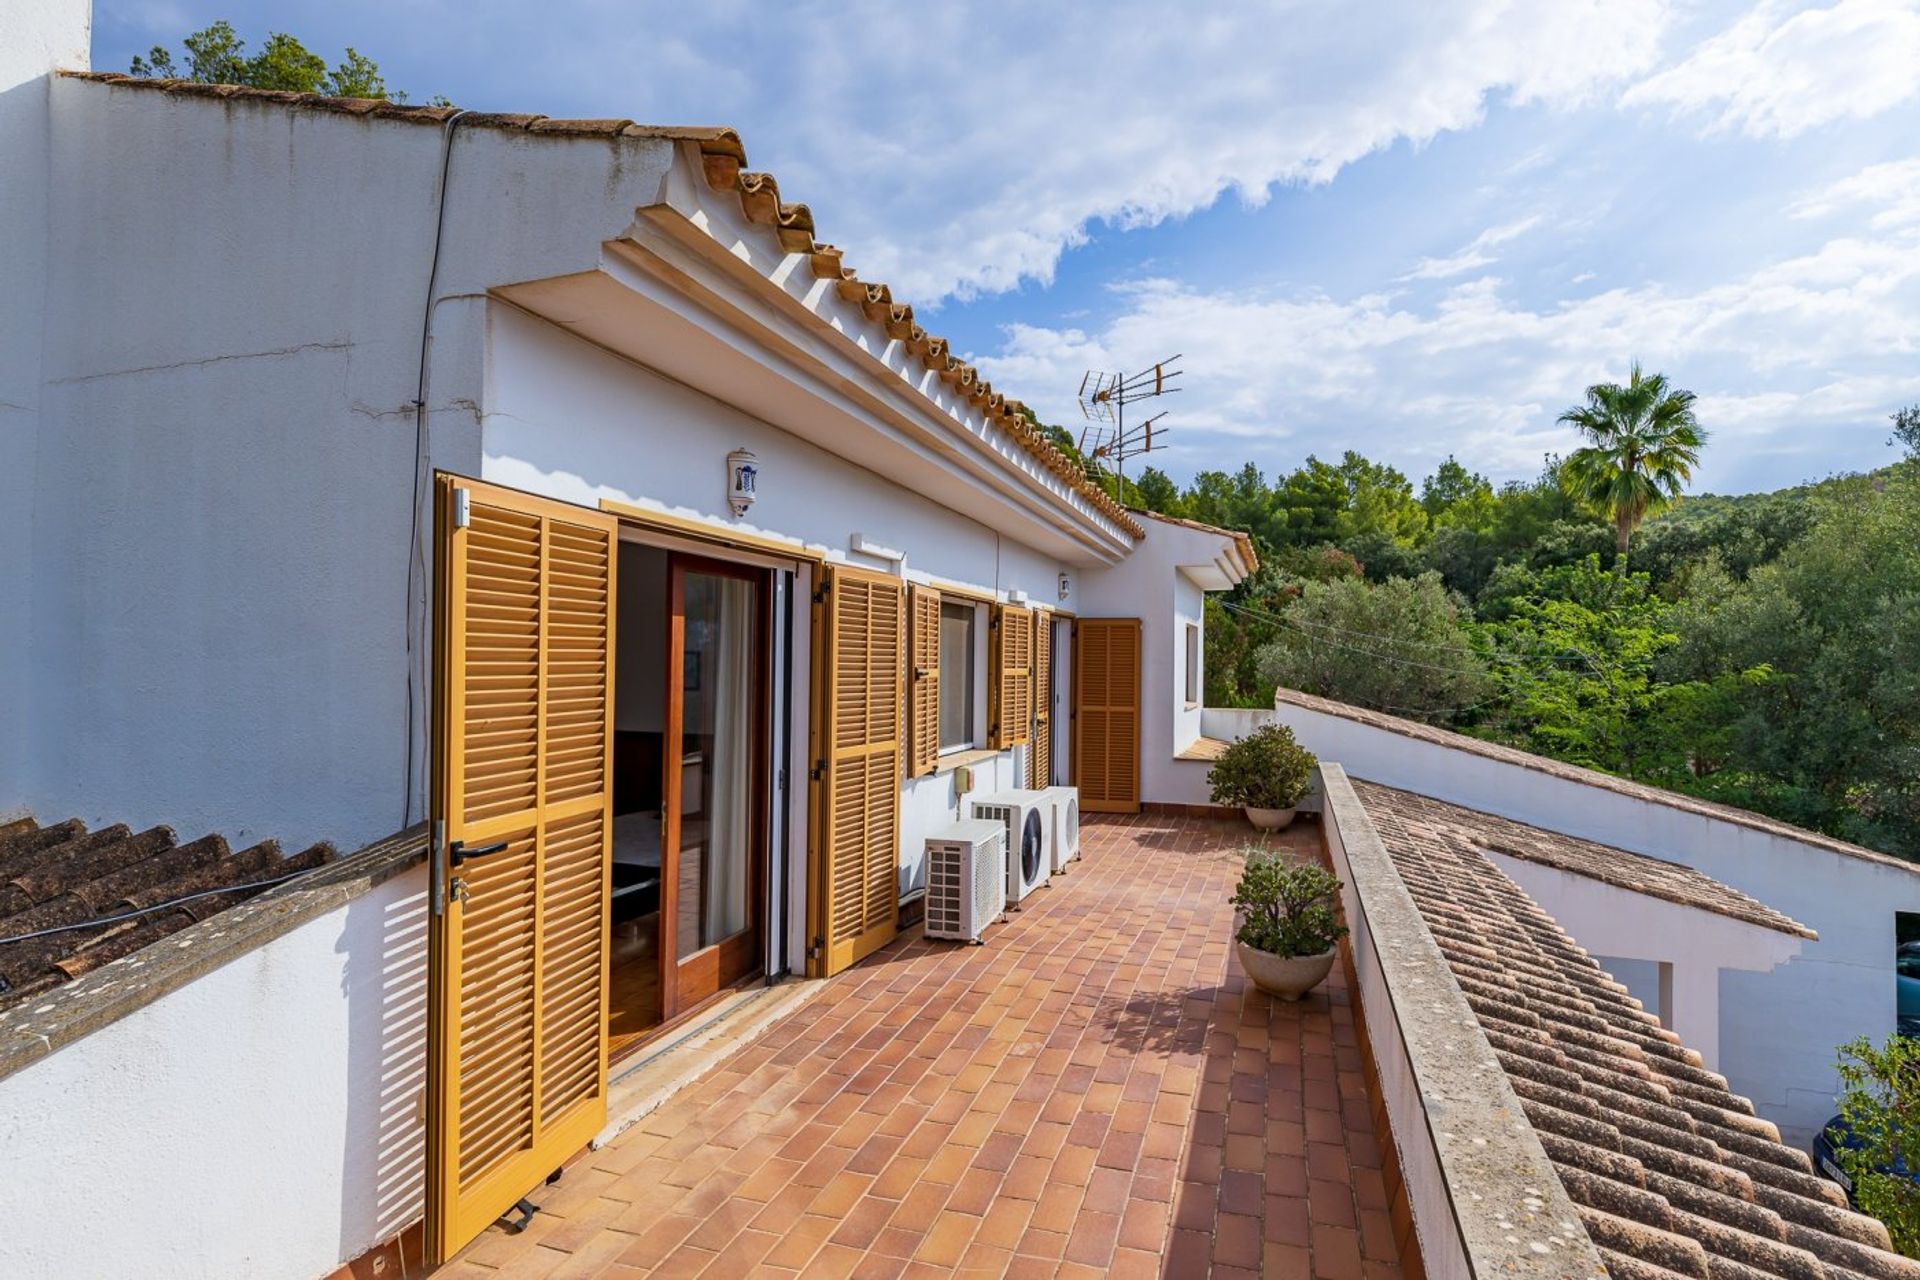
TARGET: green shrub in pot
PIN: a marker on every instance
(1288, 923)
(1267, 773)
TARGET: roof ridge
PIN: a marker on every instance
(724, 159)
(1660, 878)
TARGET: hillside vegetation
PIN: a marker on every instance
(1761, 650)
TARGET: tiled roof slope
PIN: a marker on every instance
(1585, 777)
(56, 876)
(1673, 1174)
(1468, 829)
(724, 159)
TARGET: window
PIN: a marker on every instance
(957, 623)
(1193, 664)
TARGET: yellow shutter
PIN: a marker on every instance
(863, 733)
(518, 942)
(1040, 754)
(1012, 662)
(923, 680)
(1106, 714)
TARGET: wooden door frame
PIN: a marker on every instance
(673, 970)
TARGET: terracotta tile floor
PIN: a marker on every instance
(1093, 1092)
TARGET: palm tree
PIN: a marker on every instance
(1643, 443)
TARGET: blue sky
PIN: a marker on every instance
(1411, 228)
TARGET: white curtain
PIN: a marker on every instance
(731, 683)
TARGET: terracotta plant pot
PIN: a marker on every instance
(1271, 819)
(1285, 977)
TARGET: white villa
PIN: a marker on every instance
(540, 514)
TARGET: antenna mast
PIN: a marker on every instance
(1104, 398)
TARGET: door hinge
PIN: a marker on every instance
(818, 771)
(820, 593)
(780, 780)
(462, 507)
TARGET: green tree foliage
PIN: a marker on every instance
(1158, 492)
(1395, 646)
(1763, 652)
(1906, 431)
(1573, 649)
(1834, 738)
(1456, 498)
(1880, 1102)
(217, 55)
(1643, 443)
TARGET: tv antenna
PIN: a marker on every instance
(1104, 398)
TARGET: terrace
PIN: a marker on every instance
(1094, 1091)
(1098, 1091)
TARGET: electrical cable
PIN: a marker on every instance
(416, 536)
(147, 911)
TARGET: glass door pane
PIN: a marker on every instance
(717, 867)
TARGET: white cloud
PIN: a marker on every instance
(1808, 343)
(956, 150)
(1778, 73)
(1474, 255)
(1891, 190)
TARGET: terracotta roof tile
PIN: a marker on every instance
(724, 163)
(1585, 777)
(62, 875)
(1672, 1173)
(1672, 882)
(1241, 540)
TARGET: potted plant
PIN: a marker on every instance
(1265, 773)
(1287, 923)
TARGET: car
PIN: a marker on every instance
(1835, 1137)
(1906, 970)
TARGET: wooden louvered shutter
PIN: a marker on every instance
(923, 680)
(1040, 754)
(517, 1022)
(1106, 714)
(864, 725)
(1011, 658)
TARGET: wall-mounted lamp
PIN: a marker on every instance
(743, 480)
(1066, 586)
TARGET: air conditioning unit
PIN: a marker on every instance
(1028, 820)
(966, 879)
(1065, 803)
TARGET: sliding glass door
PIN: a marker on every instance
(714, 820)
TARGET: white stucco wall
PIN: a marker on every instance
(34, 40)
(218, 636)
(263, 1120)
(569, 420)
(1778, 1029)
(1157, 584)
(572, 421)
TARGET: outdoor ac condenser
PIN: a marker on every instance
(966, 879)
(1064, 802)
(1028, 821)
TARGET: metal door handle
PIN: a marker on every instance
(457, 852)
